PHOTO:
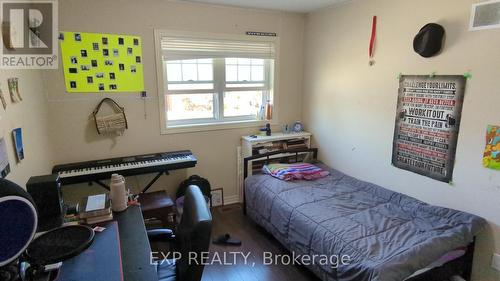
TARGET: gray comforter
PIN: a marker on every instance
(387, 235)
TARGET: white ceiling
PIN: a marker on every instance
(302, 6)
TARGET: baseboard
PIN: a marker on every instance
(233, 199)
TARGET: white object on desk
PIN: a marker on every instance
(96, 202)
(118, 193)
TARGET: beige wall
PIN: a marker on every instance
(75, 138)
(31, 115)
(350, 107)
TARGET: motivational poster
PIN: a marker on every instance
(427, 124)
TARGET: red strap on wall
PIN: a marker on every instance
(372, 39)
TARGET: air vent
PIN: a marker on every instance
(485, 15)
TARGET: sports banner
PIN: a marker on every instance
(427, 124)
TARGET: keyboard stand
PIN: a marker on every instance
(103, 185)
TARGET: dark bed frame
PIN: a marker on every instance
(461, 266)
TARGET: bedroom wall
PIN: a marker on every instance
(75, 138)
(32, 116)
(350, 107)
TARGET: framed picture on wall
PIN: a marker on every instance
(217, 197)
(17, 136)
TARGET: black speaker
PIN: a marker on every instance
(18, 222)
(46, 193)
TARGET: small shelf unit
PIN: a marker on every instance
(264, 144)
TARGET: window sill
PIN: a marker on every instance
(212, 127)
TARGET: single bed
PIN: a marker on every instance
(388, 236)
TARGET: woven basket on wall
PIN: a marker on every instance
(113, 123)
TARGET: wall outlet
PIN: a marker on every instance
(495, 261)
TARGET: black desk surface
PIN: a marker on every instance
(135, 248)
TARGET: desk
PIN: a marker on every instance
(134, 248)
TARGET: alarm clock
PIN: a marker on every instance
(297, 127)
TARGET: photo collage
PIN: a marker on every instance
(96, 63)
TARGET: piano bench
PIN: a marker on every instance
(160, 206)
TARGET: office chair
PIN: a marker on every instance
(192, 237)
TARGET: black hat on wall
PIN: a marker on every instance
(429, 40)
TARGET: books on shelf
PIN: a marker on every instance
(294, 144)
(279, 145)
(98, 219)
(272, 146)
(95, 209)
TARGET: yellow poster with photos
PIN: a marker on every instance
(95, 62)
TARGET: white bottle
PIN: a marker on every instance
(118, 193)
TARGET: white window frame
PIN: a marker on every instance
(183, 126)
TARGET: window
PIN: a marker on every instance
(213, 81)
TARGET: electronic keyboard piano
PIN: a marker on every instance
(96, 170)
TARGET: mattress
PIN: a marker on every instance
(387, 236)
